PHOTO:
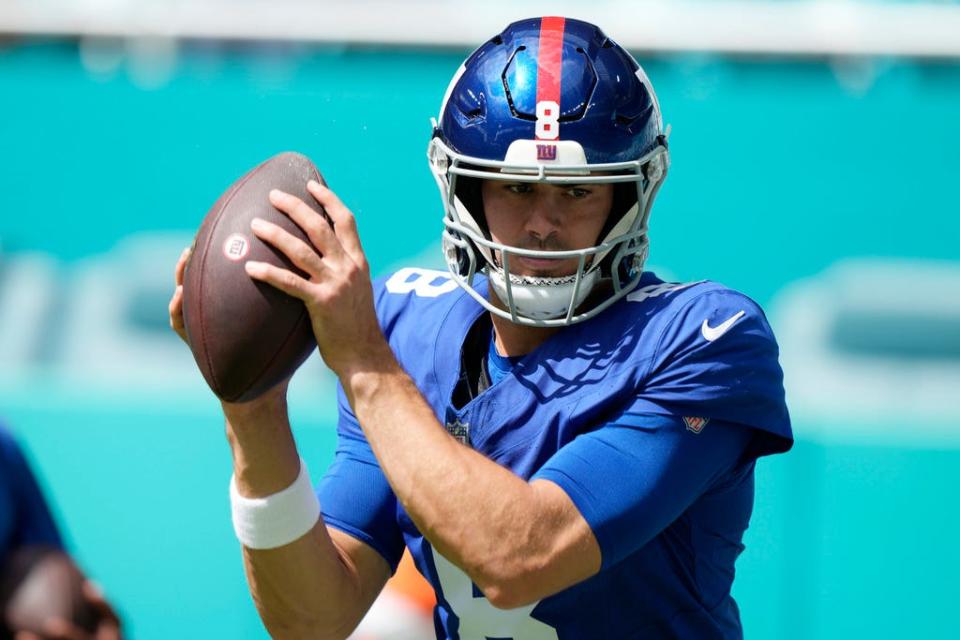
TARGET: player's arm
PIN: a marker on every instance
(598, 499)
(320, 585)
(518, 541)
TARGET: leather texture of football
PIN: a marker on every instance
(247, 336)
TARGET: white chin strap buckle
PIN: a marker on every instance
(542, 298)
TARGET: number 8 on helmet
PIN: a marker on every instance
(555, 101)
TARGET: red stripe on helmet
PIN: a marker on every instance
(549, 60)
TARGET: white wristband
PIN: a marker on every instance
(278, 519)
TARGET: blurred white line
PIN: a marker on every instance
(814, 28)
(28, 291)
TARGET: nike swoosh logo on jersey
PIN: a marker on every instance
(712, 333)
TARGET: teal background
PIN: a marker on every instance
(780, 170)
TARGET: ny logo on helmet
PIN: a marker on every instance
(546, 152)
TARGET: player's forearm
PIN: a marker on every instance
(475, 512)
(302, 589)
(265, 458)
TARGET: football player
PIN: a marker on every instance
(565, 442)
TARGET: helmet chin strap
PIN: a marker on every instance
(541, 298)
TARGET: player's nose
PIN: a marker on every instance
(543, 217)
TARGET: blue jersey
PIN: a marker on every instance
(650, 417)
(24, 516)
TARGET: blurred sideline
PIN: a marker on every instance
(404, 611)
(742, 27)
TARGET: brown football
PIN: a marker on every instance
(247, 336)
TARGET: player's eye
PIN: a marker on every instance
(578, 192)
(519, 187)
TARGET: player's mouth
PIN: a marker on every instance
(542, 267)
(536, 263)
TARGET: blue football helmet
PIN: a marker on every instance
(549, 100)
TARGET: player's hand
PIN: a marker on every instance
(175, 307)
(45, 596)
(107, 626)
(338, 292)
(108, 622)
(236, 412)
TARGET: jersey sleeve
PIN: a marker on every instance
(354, 494)
(635, 475)
(32, 520)
(717, 358)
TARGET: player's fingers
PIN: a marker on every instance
(299, 252)
(26, 635)
(93, 594)
(107, 630)
(175, 310)
(181, 266)
(176, 303)
(176, 314)
(60, 629)
(284, 280)
(312, 223)
(345, 225)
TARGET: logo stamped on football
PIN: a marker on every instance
(236, 247)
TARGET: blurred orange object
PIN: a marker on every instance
(408, 582)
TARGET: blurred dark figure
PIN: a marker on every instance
(43, 594)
